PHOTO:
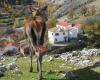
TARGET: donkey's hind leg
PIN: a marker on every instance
(39, 66)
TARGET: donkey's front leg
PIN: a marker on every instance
(31, 67)
(37, 64)
(39, 58)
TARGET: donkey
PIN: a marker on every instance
(34, 29)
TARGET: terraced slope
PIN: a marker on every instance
(68, 4)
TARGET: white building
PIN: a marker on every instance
(63, 32)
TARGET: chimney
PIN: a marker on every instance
(73, 24)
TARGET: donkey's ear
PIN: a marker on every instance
(43, 8)
(32, 8)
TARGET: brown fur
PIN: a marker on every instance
(33, 22)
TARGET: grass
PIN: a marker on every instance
(88, 73)
(24, 66)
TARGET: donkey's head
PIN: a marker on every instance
(39, 11)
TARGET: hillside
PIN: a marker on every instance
(67, 5)
(96, 3)
(73, 58)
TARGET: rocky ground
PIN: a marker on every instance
(59, 64)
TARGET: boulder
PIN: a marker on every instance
(63, 75)
(97, 64)
(1, 74)
(1, 56)
(10, 50)
(51, 58)
(56, 55)
(84, 63)
(1, 64)
(11, 66)
(70, 75)
(3, 68)
(17, 71)
(94, 52)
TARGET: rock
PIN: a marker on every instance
(75, 53)
(62, 65)
(80, 58)
(63, 75)
(84, 63)
(3, 68)
(97, 63)
(17, 71)
(10, 50)
(1, 74)
(2, 57)
(70, 75)
(1, 64)
(90, 52)
(94, 52)
(66, 57)
(84, 52)
(50, 58)
(56, 55)
(19, 29)
(11, 66)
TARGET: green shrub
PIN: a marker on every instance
(97, 44)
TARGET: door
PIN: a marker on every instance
(65, 39)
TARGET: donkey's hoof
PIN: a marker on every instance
(31, 70)
(40, 78)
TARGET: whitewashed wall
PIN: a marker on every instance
(60, 38)
(70, 32)
(51, 37)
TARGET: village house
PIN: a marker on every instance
(64, 32)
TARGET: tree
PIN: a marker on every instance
(51, 22)
(84, 10)
(51, 8)
(92, 10)
(16, 23)
(90, 25)
(71, 13)
(7, 7)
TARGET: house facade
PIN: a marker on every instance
(64, 32)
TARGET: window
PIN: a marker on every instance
(63, 33)
(55, 39)
(56, 34)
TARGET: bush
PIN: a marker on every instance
(97, 44)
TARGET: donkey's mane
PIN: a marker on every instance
(34, 22)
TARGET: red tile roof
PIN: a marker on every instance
(62, 23)
(78, 24)
(65, 24)
(55, 29)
